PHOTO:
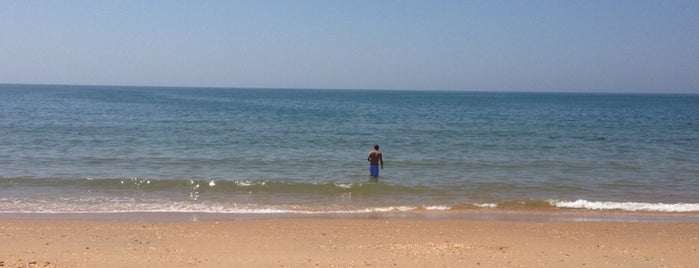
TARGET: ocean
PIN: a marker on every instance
(109, 149)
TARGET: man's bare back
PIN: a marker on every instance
(375, 157)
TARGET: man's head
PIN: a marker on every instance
(376, 147)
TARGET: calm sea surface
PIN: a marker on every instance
(70, 149)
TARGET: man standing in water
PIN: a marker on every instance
(375, 158)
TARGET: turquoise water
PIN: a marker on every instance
(141, 149)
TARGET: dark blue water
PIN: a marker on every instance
(84, 148)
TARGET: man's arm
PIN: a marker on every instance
(381, 160)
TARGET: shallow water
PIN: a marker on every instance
(139, 149)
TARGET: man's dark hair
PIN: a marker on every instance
(376, 147)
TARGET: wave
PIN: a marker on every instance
(627, 206)
(24, 195)
(213, 185)
(129, 204)
(585, 204)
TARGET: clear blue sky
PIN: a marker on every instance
(615, 45)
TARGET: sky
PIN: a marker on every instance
(588, 46)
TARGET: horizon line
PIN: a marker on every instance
(362, 89)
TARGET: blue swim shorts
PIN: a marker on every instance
(374, 170)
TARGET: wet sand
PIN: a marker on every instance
(347, 243)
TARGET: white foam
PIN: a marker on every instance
(246, 183)
(343, 185)
(100, 205)
(627, 206)
(437, 207)
(132, 204)
(486, 205)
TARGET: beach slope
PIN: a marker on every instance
(347, 242)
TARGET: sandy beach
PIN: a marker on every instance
(347, 243)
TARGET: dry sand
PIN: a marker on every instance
(347, 243)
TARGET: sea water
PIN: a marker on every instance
(99, 149)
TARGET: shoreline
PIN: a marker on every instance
(331, 242)
(482, 214)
